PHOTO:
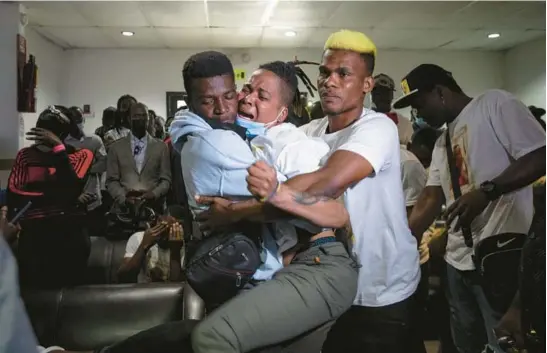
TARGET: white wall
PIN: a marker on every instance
(99, 77)
(524, 70)
(50, 62)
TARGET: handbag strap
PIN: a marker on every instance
(454, 176)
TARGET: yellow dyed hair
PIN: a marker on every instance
(351, 40)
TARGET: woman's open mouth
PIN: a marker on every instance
(246, 115)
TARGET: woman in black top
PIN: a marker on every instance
(52, 247)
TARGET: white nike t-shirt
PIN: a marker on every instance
(493, 130)
(386, 249)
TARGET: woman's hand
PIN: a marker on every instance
(8, 230)
(43, 137)
(262, 180)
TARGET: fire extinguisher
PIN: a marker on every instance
(30, 73)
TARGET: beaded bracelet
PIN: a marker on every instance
(276, 190)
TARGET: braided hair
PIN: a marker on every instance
(290, 72)
(57, 119)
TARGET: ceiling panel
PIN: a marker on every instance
(175, 14)
(77, 37)
(302, 13)
(454, 25)
(493, 14)
(143, 38)
(360, 14)
(185, 37)
(235, 37)
(479, 40)
(421, 15)
(116, 14)
(276, 38)
(58, 14)
(236, 13)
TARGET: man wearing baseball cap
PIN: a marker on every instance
(382, 97)
(498, 150)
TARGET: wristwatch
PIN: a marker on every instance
(491, 190)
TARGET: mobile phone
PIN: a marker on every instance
(21, 213)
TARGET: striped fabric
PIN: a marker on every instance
(52, 181)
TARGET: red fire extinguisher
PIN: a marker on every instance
(30, 73)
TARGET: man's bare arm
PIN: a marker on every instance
(427, 208)
(343, 169)
(320, 210)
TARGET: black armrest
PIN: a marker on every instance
(89, 317)
(194, 306)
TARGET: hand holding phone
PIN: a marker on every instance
(21, 213)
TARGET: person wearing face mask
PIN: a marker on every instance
(79, 139)
(219, 161)
(52, 248)
(271, 137)
(216, 153)
(313, 288)
(138, 165)
(496, 150)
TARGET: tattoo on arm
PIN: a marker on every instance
(304, 198)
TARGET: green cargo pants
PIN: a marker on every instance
(317, 287)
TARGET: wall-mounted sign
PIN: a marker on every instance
(240, 74)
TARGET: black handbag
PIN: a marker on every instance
(496, 258)
(221, 265)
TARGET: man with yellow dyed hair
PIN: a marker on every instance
(364, 168)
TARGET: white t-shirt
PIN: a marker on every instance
(290, 150)
(414, 179)
(493, 130)
(156, 257)
(386, 249)
(413, 176)
(404, 127)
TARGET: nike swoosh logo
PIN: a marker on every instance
(502, 244)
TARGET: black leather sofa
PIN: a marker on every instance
(93, 316)
(105, 259)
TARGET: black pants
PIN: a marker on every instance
(387, 329)
(53, 253)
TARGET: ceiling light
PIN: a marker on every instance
(128, 33)
(290, 33)
(494, 35)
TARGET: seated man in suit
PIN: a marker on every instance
(138, 165)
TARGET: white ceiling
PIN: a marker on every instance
(455, 25)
